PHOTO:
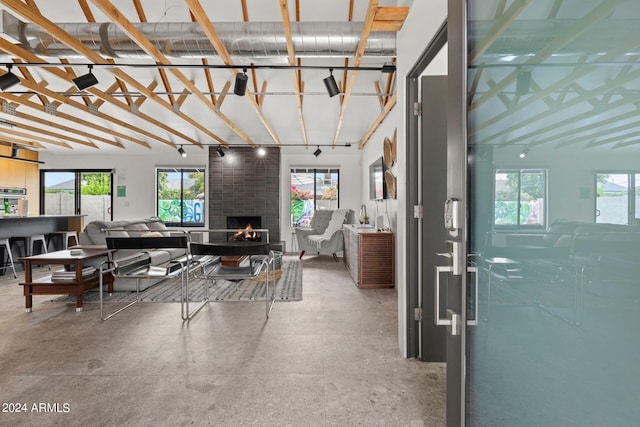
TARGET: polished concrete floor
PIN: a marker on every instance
(331, 359)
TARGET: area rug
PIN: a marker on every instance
(288, 288)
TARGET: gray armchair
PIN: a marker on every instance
(324, 234)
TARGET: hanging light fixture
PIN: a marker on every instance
(524, 153)
(220, 151)
(8, 80)
(182, 152)
(317, 152)
(85, 81)
(331, 85)
(240, 86)
(261, 151)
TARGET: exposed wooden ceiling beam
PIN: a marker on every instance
(76, 45)
(366, 30)
(4, 45)
(41, 130)
(203, 19)
(390, 18)
(297, 83)
(72, 118)
(136, 35)
(379, 119)
(35, 139)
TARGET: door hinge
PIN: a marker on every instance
(417, 108)
(417, 314)
(417, 211)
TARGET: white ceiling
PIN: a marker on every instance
(279, 108)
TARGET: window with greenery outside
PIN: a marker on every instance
(181, 197)
(312, 189)
(520, 197)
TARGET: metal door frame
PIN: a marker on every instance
(414, 225)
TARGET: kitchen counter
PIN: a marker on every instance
(14, 225)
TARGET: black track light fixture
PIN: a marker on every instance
(220, 151)
(331, 85)
(182, 152)
(240, 87)
(15, 152)
(85, 81)
(524, 153)
(317, 152)
(8, 80)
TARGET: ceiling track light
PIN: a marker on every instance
(8, 79)
(317, 152)
(261, 151)
(15, 151)
(524, 153)
(182, 152)
(331, 85)
(220, 151)
(85, 81)
(240, 86)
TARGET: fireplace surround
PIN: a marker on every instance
(243, 184)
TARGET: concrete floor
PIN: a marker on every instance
(329, 360)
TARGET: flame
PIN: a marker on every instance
(246, 233)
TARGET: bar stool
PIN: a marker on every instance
(28, 244)
(4, 244)
(60, 239)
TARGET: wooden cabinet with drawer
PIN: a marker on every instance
(369, 256)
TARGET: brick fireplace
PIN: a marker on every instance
(242, 184)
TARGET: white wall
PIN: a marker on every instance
(423, 21)
(570, 179)
(136, 172)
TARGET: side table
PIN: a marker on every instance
(75, 286)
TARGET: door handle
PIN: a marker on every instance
(474, 321)
(452, 321)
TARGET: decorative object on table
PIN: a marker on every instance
(390, 180)
(363, 214)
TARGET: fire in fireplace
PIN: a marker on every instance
(246, 226)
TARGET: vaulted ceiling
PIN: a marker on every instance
(166, 71)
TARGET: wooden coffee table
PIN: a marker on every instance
(75, 286)
(233, 261)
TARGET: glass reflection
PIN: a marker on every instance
(554, 231)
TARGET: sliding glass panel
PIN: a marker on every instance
(59, 193)
(612, 201)
(326, 189)
(95, 196)
(181, 197)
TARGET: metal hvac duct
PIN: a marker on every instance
(259, 40)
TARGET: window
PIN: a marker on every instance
(617, 197)
(520, 198)
(71, 192)
(312, 189)
(180, 195)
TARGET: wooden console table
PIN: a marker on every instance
(369, 256)
(76, 286)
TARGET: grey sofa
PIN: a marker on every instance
(324, 234)
(94, 234)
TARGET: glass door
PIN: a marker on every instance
(59, 193)
(548, 92)
(86, 193)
